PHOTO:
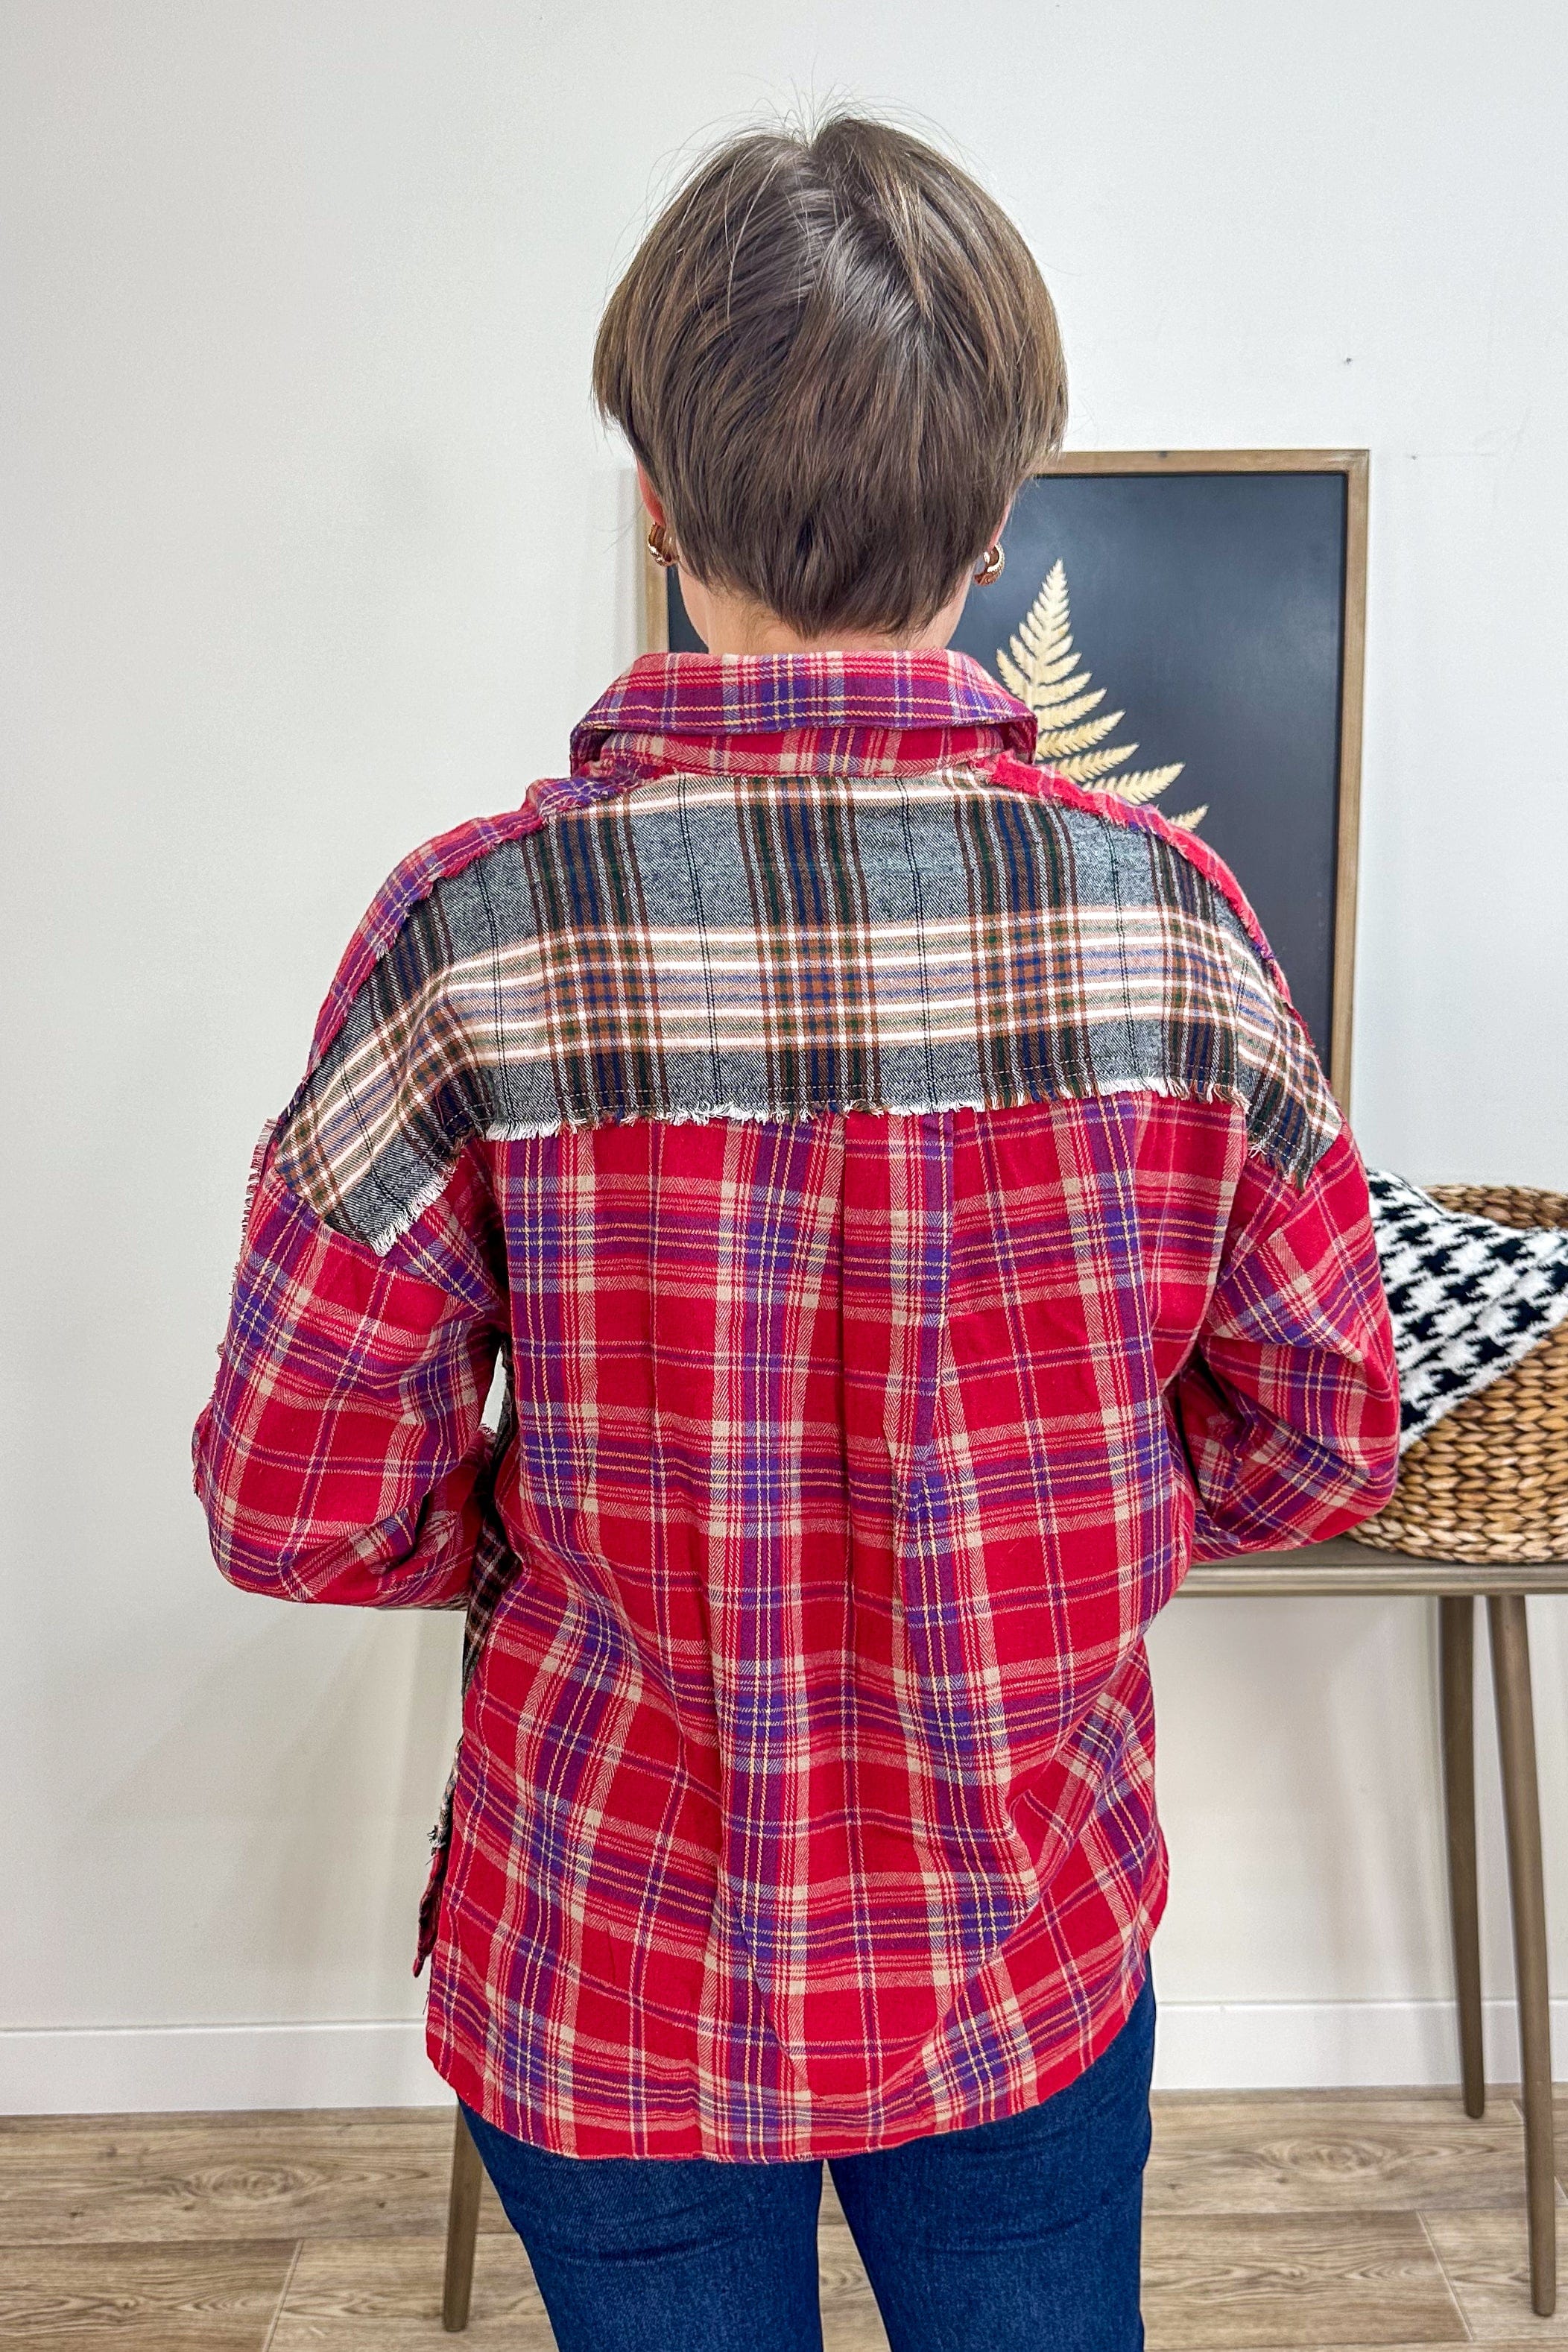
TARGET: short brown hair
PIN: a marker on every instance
(837, 360)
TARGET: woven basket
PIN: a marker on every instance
(1491, 1481)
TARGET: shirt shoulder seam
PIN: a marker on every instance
(1128, 817)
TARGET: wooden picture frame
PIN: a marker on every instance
(1327, 601)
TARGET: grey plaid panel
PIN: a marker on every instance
(780, 947)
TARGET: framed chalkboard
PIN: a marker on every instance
(1189, 625)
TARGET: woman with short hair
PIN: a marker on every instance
(914, 1225)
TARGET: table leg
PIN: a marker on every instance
(1456, 1650)
(462, 2229)
(1522, 1807)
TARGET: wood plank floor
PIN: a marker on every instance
(1303, 2220)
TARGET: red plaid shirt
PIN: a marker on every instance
(913, 1223)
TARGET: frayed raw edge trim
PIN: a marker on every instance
(799, 1115)
(253, 1182)
(425, 1197)
(704, 1114)
(252, 1186)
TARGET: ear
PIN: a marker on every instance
(650, 497)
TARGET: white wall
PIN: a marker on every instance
(312, 547)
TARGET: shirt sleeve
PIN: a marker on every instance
(342, 1456)
(1288, 1407)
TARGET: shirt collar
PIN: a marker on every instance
(880, 713)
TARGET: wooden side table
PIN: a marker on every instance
(462, 2228)
(1346, 1567)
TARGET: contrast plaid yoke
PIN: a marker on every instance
(913, 1222)
(783, 943)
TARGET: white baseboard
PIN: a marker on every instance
(1202, 2045)
(166, 2069)
(1330, 2044)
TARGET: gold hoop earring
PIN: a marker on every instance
(659, 545)
(995, 564)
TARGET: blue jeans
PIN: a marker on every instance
(1021, 2236)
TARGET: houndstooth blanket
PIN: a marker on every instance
(1467, 1298)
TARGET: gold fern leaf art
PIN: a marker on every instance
(1043, 671)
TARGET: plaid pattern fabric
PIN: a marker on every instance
(780, 945)
(914, 1224)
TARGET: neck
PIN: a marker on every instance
(731, 624)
